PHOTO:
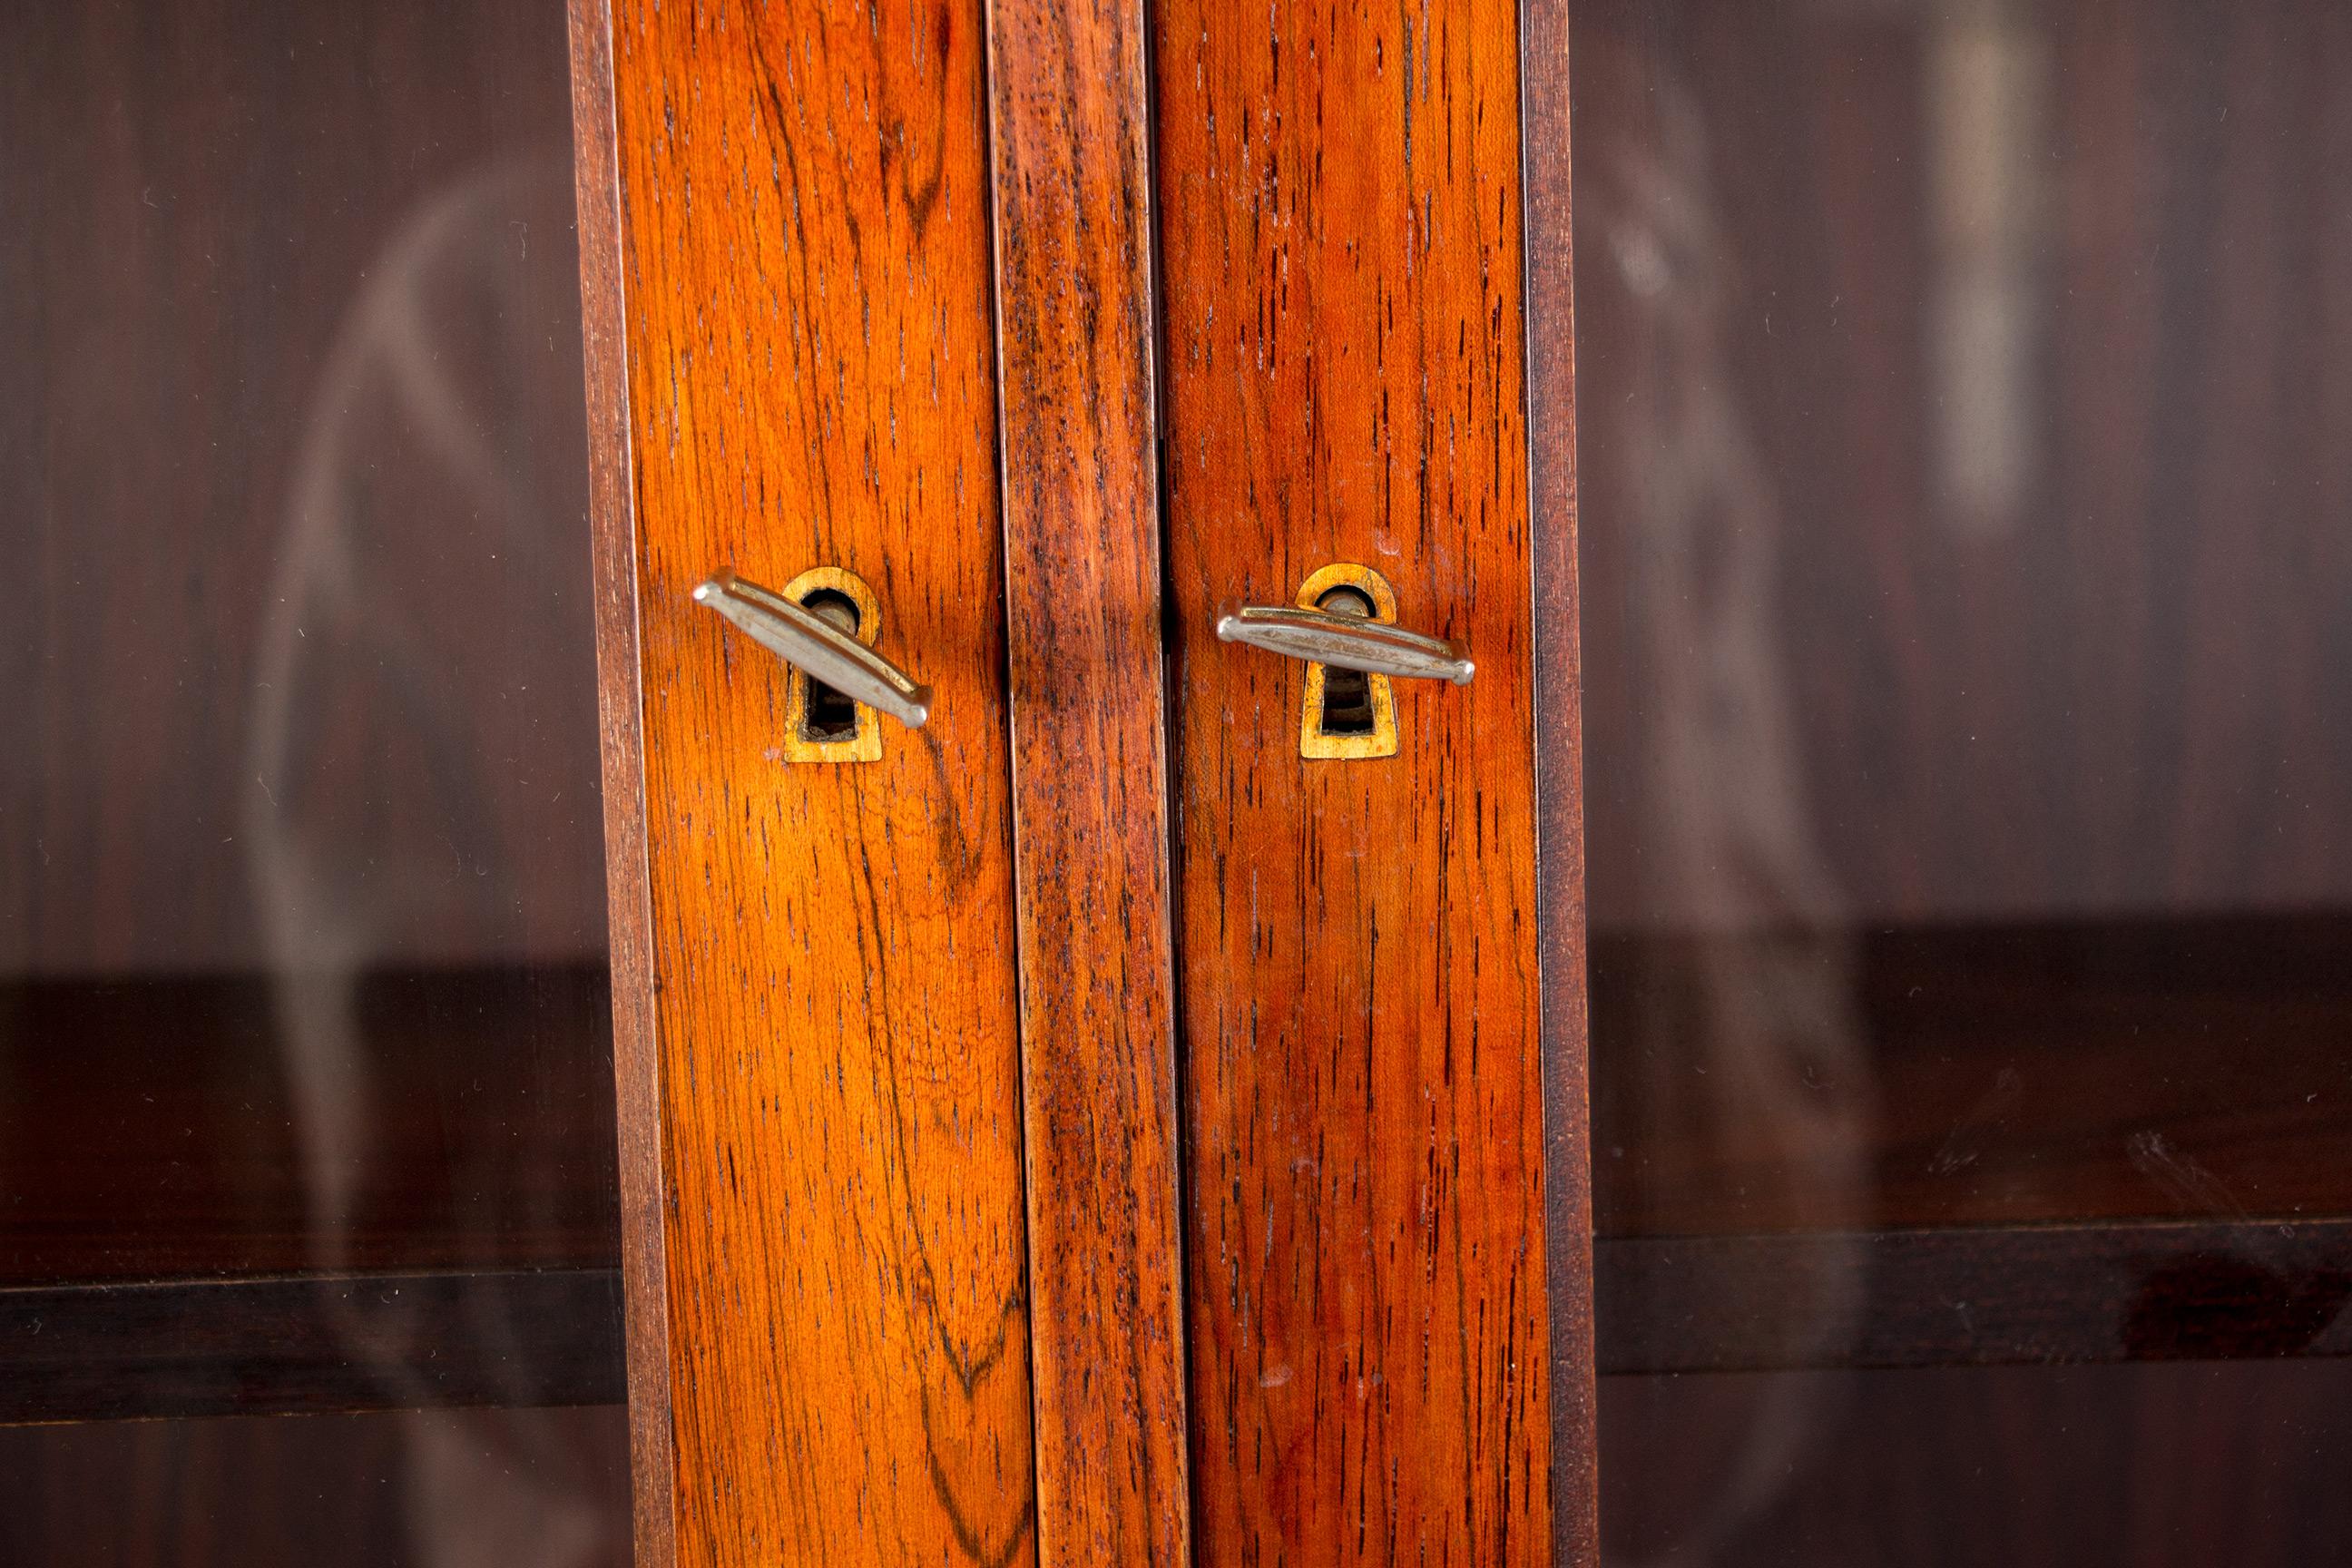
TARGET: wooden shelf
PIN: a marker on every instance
(158, 1254)
(169, 1245)
(2033, 1142)
(2056, 1072)
(2034, 1295)
(1977, 1297)
(305, 1344)
(153, 1128)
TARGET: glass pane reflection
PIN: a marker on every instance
(1963, 419)
(302, 964)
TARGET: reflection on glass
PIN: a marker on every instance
(302, 964)
(1963, 421)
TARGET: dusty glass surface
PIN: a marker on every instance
(1964, 410)
(302, 961)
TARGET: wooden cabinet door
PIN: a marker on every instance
(1114, 1125)
(786, 248)
(1362, 974)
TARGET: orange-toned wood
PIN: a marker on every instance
(830, 1086)
(1342, 259)
(1083, 573)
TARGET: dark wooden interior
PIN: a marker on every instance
(2084, 665)
(291, 433)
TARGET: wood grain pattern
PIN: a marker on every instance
(804, 236)
(1083, 577)
(1341, 248)
(1560, 899)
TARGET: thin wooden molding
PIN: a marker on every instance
(1076, 325)
(1549, 320)
(612, 518)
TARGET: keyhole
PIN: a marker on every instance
(830, 715)
(1347, 693)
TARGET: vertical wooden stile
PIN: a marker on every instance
(637, 1066)
(1362, 982)
(1083, 578)
(786, 257)
(1560, 776)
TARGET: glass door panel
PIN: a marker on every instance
(1963, 419)
(305, 1073)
